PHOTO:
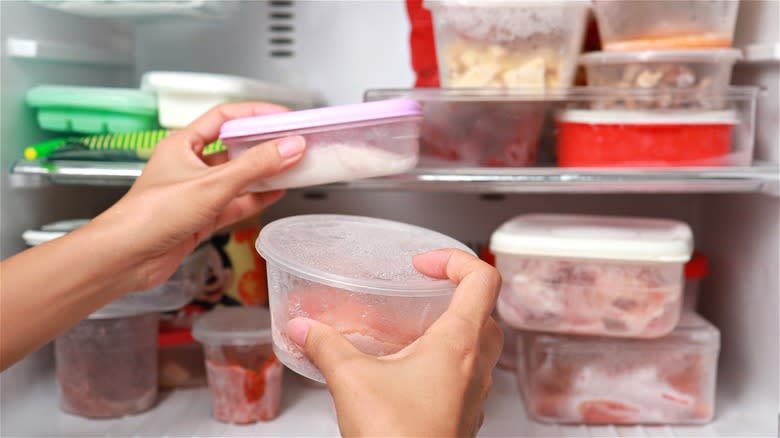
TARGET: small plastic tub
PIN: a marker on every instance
(107, 367)
(355, 274)
(594, 381)
(592, 275)
(244, 376)
(629, 25)
(695, 270)
(344, 143)
(518, 44)
(181, 360)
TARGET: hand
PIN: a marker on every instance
(433, 387)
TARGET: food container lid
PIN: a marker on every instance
(52, 231)
(320, 117)
(699, 55)
(648, 117)
(118, 100)
(234, 326)
(431, 4)
(358, 253)
(595, 237)
(697, 267)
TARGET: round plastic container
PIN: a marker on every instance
(344, 143)
(244, 376)
(355, 274)
(592, 275)
(665, 24)
(107, 367)
(696, 269)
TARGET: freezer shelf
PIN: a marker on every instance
(761, 178)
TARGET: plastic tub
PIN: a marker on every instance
(594, 275)
(583, 380)
(520, 44)
(107, 367)
(695, 270)
(665, 24)
(344, 143)
(181, 362)
(355, 274)
(244, 376)
(183, 97)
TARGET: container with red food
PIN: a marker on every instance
(181, 361)
(599, 380)
(695, 270)
(244, 376)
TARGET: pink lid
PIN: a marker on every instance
(313, 118)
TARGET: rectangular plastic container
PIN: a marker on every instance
(665, 24)
(520, 44)
(591, 275)
(181, 360)
(594, 381)
(107, 367)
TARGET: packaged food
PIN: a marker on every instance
(355, 274)
(665, 24)
(343, 143)
(244, 376)
(519, 44)
(695, 270)
(183, 96)
(595, 275)
(181, 362)
(592, 380)
(107, 367)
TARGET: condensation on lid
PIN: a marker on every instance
(234, 326)
(674, 55)
(595, 237)
(648, 117)
(357, 253)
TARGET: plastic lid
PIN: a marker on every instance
(234, 326)
(648, 117)
(315, 118)
(119, 100)
(494, 3)
(357, 253)
(697, 267)
(595, 237)
(698, 55)
(52, 231)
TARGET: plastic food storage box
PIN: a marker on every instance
(107, 367)
(343, 143)
(665, 24)
(519, 44)
(181, 361)
(595, 275)
(585, 380)
(183, 96)
(244, 376)
(93, 110)
(695, 270)
(355, 274)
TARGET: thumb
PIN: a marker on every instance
(322, 344)
(262, 161)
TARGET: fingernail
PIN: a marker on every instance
(291, 146)
(297, 329)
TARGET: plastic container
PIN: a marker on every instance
(244, 376)
(107, 367)
(665, 24)
(518, 44)
(93, 110)
(344, 143)
(355, 274)
(508, 358)
(695, 270)
(594, 275)
(181, 361)
(183, 96)
(583, 380)
(144, 9)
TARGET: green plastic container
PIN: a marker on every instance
(93, 110)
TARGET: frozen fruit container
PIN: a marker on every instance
(597, 380)
(665, 24)
(508, 44)
(181, 361)
(343, 143)
(244, 376)
(594, 275)
(355, 274)
(695, 270)
(184, 96)
(107, 367)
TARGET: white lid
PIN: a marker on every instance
(234, 326)
(364, 254)
(595, 237)
(648, 117)
(52, 231)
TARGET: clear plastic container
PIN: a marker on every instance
(107, 367)
(355, 274)
(584, 380)
(695, 270)
(244, 376)
(344, 143)
(519, 44)
(665, 24)
(594, 275)
(181, 360)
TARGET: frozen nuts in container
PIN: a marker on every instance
(594, 275)
(244, 376)
(356, 275)
(343, 143)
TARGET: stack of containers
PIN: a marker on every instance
(598, 301)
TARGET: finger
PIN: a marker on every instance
(491, 343)
(323, 345)
(246, 206)
(259, 162)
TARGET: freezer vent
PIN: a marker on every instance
(282, 29)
